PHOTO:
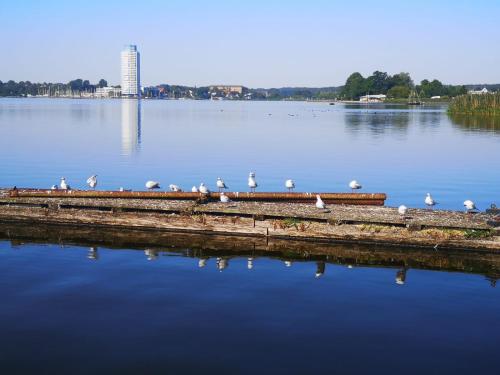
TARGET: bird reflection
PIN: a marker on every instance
(93, 254)
(222, 264)
(320, 269)
(288, 263)
(250, 263)
(151, 254)
(202, 262)
(401, 276)
(131, 126)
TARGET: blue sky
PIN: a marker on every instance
(255, 43)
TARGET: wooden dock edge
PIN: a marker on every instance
(201, 223)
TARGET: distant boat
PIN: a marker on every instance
(414, 98)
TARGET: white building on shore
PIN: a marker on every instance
(107, 92)
(131, 72)
(479, 92)
(373, 98)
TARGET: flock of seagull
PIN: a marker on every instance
(252, 184)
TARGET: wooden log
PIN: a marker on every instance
(376, 199)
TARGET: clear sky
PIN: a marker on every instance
(257, 43)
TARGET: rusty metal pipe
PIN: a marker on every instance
(295, 197)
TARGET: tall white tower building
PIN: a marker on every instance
(131, 72)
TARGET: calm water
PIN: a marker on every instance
(403, 152)
(92, 309)
(73, 309)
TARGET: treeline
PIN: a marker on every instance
(481, 104)
(27, 88)
(396, 86)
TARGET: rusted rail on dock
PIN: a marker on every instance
(368, 199)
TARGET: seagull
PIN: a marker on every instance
(250, 263)
(152, 185)
(224, 198)
(288, 263)
(221, 184)
(290, 185)
(402, 210)
(354, 185)
(54, 187)
(122, 189)
(194, 189)
(469, 206)
(203, 189)
(174, 188)
(429, 201)
(92, 181)
(252, 184)
(319, 202)
(202, 262)
(64, 185)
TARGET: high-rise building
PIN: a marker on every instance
(131, 72)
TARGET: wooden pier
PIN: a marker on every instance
(281, 219)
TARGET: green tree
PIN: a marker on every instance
(354, 87)
(102, 83)
(400, 91)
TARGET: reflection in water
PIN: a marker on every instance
(288, 263)
(151, 254)
(401, 276)
(131, 126)
(250, 263)
(476, 123)
(93, 254)
(320, 269)
(222, 263)
(202, 262)
(377, 122)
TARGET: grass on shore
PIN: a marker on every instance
(480, 104)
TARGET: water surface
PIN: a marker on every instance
(405, 152)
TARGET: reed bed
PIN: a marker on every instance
(482, 104)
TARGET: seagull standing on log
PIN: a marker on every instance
(221, 185)
(290, 185)
(203, 189)
(319, 202)
(354, 185)
(150, 185)
(92, 181)
(469, 206)
(252, 184)
(174, 188)
(64, 185)
(429, 201)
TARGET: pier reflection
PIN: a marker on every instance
(131, 126)
(245, 251)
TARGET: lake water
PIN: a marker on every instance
(404, 152)
(101, 305)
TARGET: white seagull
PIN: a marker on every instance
(224, 198)
(175, 188)
(152, 185)
(290, 185)
(354, 185)
(319, 202)
(221, 184)
(92, 181)
(194, 189)
(469, 206)
(203, 189)
(54, 187)
(429, 201)
(252, 184)
(64, 185)
(402, 210)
